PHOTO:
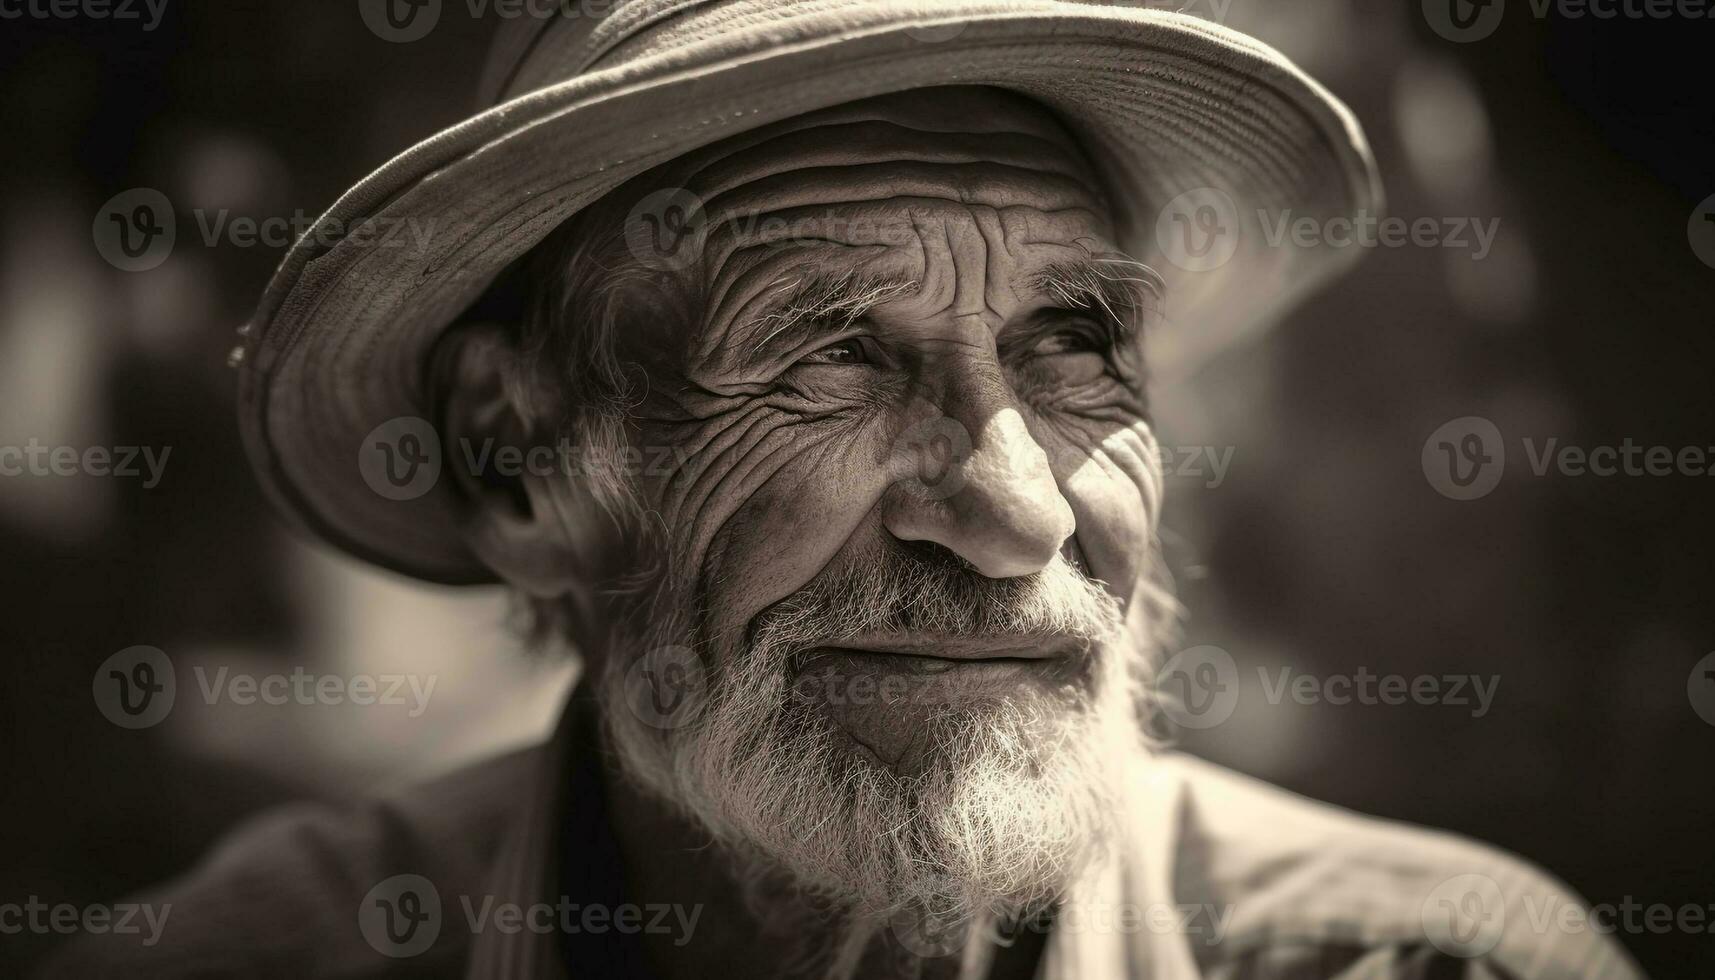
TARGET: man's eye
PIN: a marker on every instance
(1066, 342)
(850, 351)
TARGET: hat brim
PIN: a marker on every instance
(1163, 103)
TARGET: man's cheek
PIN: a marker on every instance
(1113, 484)
(774, 517)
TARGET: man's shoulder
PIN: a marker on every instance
(280, 895)
(1306, 886)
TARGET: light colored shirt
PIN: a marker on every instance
(1219, 877)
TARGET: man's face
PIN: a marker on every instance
(919, 491)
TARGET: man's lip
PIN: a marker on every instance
(956, 647)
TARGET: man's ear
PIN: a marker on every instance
(527, 517)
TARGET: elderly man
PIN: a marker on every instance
(819, 327)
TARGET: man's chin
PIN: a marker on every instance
(997, 803)
(909, 713)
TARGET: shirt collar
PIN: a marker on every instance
(529, 859)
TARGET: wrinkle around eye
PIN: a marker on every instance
(733, 442)
(1102, 399)
(743, 466)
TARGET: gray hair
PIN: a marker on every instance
(585, 289)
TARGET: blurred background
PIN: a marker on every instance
(1324, 546)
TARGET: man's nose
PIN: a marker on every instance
(977, 483)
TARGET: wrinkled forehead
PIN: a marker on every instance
(943, 125)
(864, 183)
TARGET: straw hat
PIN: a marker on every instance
(1204, 137)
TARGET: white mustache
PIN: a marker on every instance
(915, 593)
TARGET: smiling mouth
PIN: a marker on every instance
(961, 648)
(937, 654)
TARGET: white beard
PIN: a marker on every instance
(1015, 795)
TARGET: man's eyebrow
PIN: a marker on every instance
(1121, 290)
(825, 299)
